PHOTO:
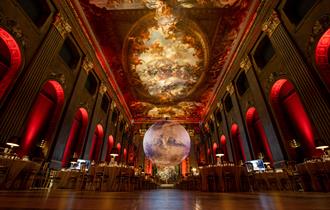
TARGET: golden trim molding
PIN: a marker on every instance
(87, 65)
(230, 88)
(246, 64)
(62, 26)
(220, 106)
(102, 88)
(271, 24)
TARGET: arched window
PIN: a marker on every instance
(10, 60)
(293, 120)
(257, 135)
(76, 136)
(322, 57)
(96, 143)
(43, 117)
(239, 153)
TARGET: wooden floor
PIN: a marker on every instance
(162, 199)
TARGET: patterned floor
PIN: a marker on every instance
(162, 199)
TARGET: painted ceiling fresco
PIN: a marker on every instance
(167, 56)
(140, 4)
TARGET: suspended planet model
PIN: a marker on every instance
(166, 143)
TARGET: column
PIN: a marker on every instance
(263, 110)
(108, 131)
(22, 98)
(240, 122)
(315, 103)
(216, 132)
(73, 104)
(226, 131)
(94, 120)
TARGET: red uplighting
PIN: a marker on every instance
(8, 73)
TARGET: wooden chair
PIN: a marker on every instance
(229, 179)
(302, 178)
(122, 182)
(247, 179)
(98, 178)
(318, 176)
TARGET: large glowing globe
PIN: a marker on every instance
(166, 143)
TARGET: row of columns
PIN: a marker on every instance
(14, 113)
(315, 102)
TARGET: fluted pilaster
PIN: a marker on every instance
(315, 103)
(14, 115)
(263, 110)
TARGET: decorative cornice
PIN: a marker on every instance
(102, 89)
(246, 64)
(271, 24)
(87, 65)
(230, 88)
(62, 26)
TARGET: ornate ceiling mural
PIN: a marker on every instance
(165, 62)
(167, 56)
(152, 4)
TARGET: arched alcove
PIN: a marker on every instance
(223, 146)
(96, 143)
(293, 120)
(239, 153)
(257, 135)
(76, 136)
(10, 60)
(322, 57)
(43, 117)
(110, 144)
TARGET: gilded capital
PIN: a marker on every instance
(230, 88)
(102, 89)
(62, 26)
(87, 65)
(246, 64)
(220, 106)
(271, 24)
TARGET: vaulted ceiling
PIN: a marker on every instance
(168, 57)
